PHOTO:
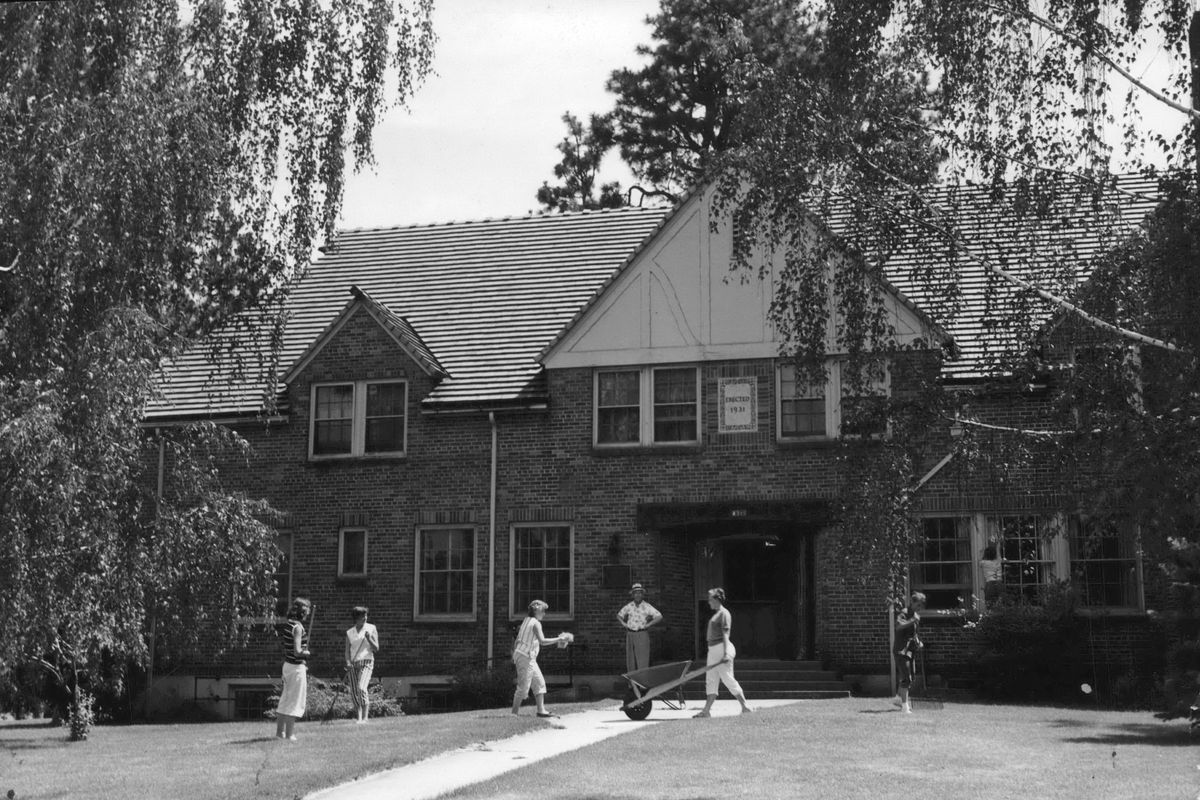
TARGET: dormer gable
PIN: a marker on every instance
(396, 327)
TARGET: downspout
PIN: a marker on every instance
(491, 626)
(154, 600)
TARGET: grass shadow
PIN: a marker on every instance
(28, 725)
(255, 740)
(1159, 735)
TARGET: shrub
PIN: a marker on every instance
(1029, 652)
(476, 686)
(331, 699)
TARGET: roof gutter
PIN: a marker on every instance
(435, 410)
(179, 422)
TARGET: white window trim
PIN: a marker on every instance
(646, 407)
(983, 529)
(1139, 606)
(975, 543)
(833, 404)
(419, 615)
(342, 551)
(779, 398)
(358, 431)
(515, 614)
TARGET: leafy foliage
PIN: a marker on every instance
(167, 169)
(684, 106)
(582, 151)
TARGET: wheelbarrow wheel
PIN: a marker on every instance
(638, 712)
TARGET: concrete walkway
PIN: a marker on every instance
(458, 768)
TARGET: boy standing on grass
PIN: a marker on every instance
(908, 642)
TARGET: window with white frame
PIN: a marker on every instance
(838, 408)
(360, 418)
(542, 568)
(1105, 563)
(942, 567)
(1030, 549)
(283, 574)
(352, 551)
(1101, 559)
(802, 412)
(647, 406)
(445, 580)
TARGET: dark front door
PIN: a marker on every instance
(764, 581)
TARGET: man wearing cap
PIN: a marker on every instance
(637, 616)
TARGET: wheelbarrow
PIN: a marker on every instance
(651, 682)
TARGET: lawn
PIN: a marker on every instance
(229, 760)
(860, 748)
(856, 748)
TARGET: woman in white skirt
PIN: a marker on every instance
(294, 642)
(362, 643)
(720, 651)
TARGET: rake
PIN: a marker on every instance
(924, 701)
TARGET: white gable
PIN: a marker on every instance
(678, 301)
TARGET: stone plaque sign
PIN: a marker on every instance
(737, 405)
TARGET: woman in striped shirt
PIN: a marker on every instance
(525, 652)
(294, 640)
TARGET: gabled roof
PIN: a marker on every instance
(486, 297)
(491, 297)
(395, 325)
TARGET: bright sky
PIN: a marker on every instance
(480, 135)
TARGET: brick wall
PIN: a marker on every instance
(549, 471)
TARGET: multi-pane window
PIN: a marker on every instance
(445, 571)
(1027, 550)
(618, 419)
(333, 420)
(942, 565)
(283, 575)
(360, 418)
(250, 702)
(385, 418)
(1104, 564)
(863, 411)
(352, 551)
(801, 407)
(675, 410)
(647, 406)
(541, 567)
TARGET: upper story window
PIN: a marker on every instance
(647, 406)
(360, 418)
(802, 412)
(445, 581)
(839, 407)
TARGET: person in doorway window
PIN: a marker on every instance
(525, 652)
(993, 573)
(907, 643)
(721, 652)
(362, 643)
(294, 641)
(637, 617)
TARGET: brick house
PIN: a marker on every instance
(475, 414)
